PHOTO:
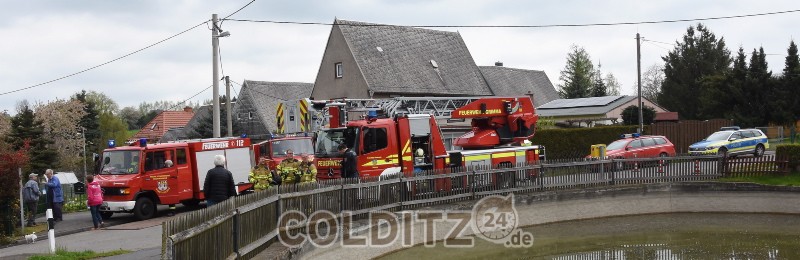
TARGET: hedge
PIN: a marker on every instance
(576, 142)
(790, 152)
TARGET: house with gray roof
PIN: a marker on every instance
(506, 81)
(365, 60)
(606, 110)
(256, 106)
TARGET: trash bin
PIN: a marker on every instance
(599, 151)
(78, 188)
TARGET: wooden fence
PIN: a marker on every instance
(243, 226)
(686, 132)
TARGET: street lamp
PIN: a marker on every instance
(83, 134)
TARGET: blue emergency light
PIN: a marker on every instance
(111, 143)
(143, 142)
(372, 114)
(634, 135)
(244, 135)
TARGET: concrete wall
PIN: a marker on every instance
(556, 206)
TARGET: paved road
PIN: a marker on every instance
(122, 231)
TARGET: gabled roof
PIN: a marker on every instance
(265, 97)
(165, 120)
(582, 106)
(408, 60)
(509, 82)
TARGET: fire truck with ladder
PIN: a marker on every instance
(136, 178)
(402, 134)
(290, 134)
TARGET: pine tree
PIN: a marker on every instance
(577, 76)
(788, 87)
(598, 86)
(699, 55)
(91, 123)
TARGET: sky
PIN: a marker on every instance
(47, 40)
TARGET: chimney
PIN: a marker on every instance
(498, 63)
(187, 109)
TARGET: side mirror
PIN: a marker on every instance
(732, 139)
(628, 148)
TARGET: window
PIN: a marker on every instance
(374, 139)
(648, 142)
(747, 134)
(660, 141)
(736, 135)
(635, 144)
(154, 160)
(757, 133)
(249, 115)
(180, 156)
(339, 70)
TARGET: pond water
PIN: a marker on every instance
(662, 236)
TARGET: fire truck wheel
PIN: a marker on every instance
(144, 209)
(106, 214)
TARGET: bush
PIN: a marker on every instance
(790, 152)
(576, 142)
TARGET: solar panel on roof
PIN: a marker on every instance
(580, 102)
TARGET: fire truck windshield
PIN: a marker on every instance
(328, 141)
(298, 146)
(120, 162)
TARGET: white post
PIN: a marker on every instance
(51, 233)
(21, 203)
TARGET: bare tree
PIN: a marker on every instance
(652, 79)
(612, 85)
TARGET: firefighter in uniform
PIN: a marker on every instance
(308, 172)
(288, 169)
(260, 176)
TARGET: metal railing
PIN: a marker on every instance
(243, 226)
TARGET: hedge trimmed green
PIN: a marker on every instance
(577, 142)
(789, 152)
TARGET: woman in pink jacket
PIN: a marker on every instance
(94, 197)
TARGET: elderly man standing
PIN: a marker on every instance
(31, 196)
(54, 188)
(219, 184)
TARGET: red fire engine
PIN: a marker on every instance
(408, 139)
(274, 149)
(136, 178)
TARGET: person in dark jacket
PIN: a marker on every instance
(219, 183)
(348, 162)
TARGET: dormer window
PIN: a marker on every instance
(249, 115)
(339, 70)
(154, 126)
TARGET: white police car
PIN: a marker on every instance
(732, 141)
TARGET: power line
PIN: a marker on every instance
(105, 63)
(184, 101)
(522, 26)
(646, 40)
(259, 92)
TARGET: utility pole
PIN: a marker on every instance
(639, 80)
(215, 51)
(228, 104)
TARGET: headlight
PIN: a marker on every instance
(125, 191)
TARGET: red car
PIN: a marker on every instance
(635, 146)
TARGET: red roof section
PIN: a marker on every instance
(666, 116)
(156, 128)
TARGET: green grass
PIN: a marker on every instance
(792, 179)
(63, 254)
